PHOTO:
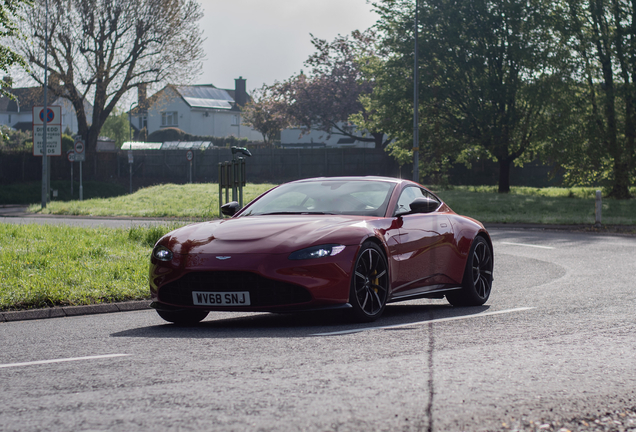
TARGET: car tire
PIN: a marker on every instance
(369, 284)
(477, 282)
(184, 316)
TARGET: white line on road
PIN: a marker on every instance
(39, 362)
(358, 330)
(528, 245)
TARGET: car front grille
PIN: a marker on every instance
(263, 291)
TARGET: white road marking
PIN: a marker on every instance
(528, 245)
(39, 362)
(358, 330)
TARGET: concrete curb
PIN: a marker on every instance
(69, 311)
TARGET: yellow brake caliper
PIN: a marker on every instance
(376, 281)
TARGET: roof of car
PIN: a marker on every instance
(351, 178)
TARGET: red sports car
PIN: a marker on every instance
(323, 243)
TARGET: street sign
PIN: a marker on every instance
(189, 155)
(54, 115)
(80, 155)
(70, 155)
(53, 140)
(53, 130)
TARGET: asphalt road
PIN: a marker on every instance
(557, 340)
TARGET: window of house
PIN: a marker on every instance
(9, 119)
(143, 122)
(235, 120)
(169, 118)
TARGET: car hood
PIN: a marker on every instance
(266, 234)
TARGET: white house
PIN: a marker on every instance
(201, 110)
(18, 113)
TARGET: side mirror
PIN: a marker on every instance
(230, 209)
(424, 205)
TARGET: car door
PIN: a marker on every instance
(425, 245)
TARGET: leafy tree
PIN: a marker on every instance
(14, 140)
(117, 127)
(602, 33)
(485, 72)
(9, 17)
(266, 113)
(102, 49)
(326, 97)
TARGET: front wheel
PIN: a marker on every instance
(477, 281)
(369, 284)
(183, 316)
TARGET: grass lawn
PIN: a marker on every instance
(51, 265)
(197, 201)
(538, 205)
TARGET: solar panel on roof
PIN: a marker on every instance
(208, 103)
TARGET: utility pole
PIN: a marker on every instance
(45, 162)
(416, 146)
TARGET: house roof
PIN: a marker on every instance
(206, 96)
(26, 97)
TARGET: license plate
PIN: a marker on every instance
(241, 298)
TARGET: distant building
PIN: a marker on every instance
(18, 113)
(201, 110)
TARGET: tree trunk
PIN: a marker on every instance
(504, 175)
(620, 188)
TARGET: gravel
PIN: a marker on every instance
(616, 421)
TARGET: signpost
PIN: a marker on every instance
(130, 164)
(47, 140)
(189, 158)
(80, 156)
(53, 130)
(70, 155)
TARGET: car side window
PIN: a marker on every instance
(407, 196)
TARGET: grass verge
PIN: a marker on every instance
(196, 201)
(568, 206)
(51, 265)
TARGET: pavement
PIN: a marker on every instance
(20, 211)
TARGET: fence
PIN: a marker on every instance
(266, 165)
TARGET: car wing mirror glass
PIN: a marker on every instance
(424, 205)
(230, 209)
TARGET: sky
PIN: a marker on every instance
(268, 40)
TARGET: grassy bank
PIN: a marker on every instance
(521, 205)
(45, 265)
(538, 205)
(197, 201)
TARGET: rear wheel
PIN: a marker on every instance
(183, 316)
(369, 284)
(477, 281)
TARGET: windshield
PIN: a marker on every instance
(357, 197)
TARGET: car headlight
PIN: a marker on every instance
(162, 253)
(317, 252)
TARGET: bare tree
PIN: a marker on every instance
(101, 49)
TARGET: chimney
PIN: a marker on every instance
(240, 94)
(142, 100)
